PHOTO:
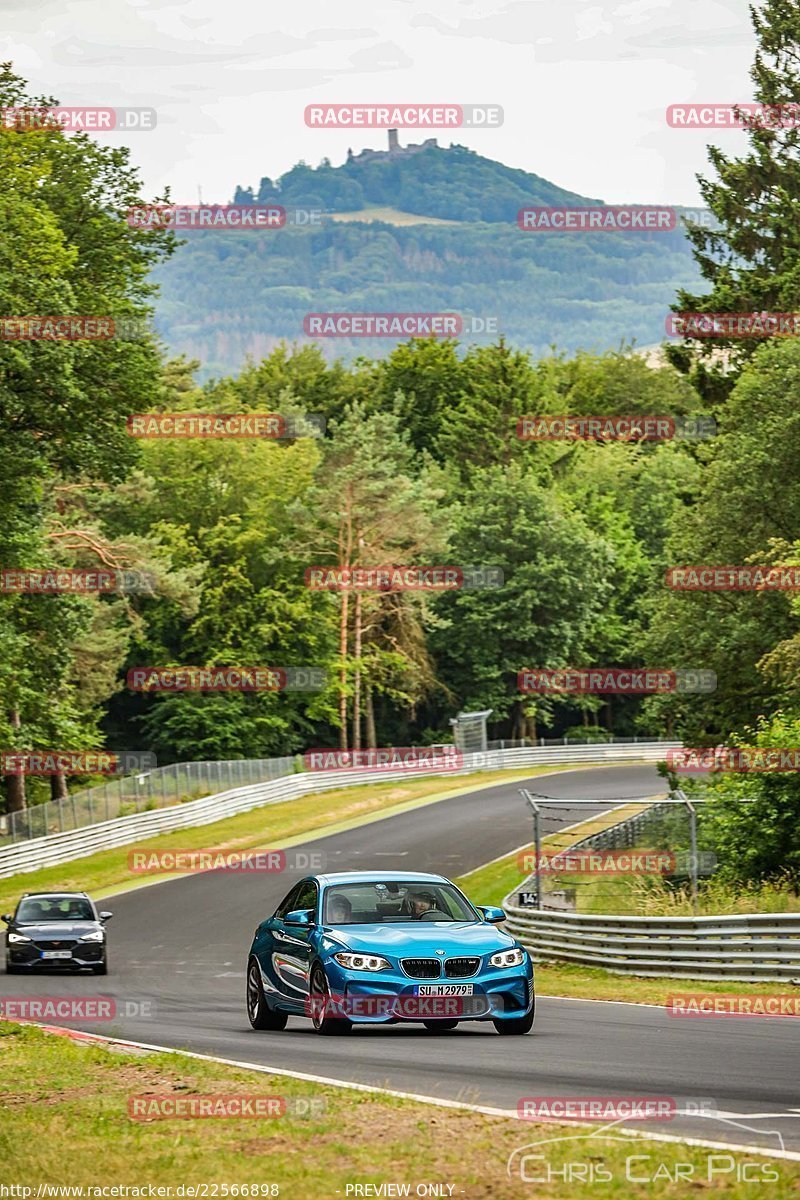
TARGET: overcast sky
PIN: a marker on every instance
(584, 84)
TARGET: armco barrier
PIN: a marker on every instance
(78, 843)
(758, 947)
(747, 948)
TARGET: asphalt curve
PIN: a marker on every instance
(181, 947)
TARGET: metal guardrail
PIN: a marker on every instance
(747, 948)
(162, 787)
(64, 847)
(751, 948)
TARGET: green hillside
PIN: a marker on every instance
(454, 184)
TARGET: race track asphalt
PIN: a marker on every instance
(181, 946)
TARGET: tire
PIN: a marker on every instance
(259, 1013)
(319, 994)
(101, 968)
(440, 1026)
(13, 970)
(517, 1024)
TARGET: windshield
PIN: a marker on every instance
(55, 908)
(393, 901)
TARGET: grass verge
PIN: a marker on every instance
(272, 827)
(64, 1120)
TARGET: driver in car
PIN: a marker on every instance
(423, 906)
(340, 910)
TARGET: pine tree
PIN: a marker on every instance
(753, 260)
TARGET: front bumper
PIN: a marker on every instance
(383, 997)
(29, 955)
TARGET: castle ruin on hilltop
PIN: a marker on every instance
(395, 150)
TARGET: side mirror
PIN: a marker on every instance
(299, 916)
(7, 917)
(106, 916)
(491, 914)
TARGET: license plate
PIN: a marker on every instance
(56, 954)
(443, 989)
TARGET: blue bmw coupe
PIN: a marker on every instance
(358, 947)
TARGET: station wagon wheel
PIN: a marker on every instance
(320, 997)
(259, 1013)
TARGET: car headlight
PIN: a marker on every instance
(508, 958)
(96, 935)
(17, 937)
(362, 962)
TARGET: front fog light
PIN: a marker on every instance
(508, 958)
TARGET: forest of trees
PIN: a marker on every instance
(420, 463)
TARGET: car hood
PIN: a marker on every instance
(57, 930)
(423, 938)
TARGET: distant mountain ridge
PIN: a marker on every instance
(451, 183)
(226, 295)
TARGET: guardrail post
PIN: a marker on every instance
(692, 844)
(537, 841)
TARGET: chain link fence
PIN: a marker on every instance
(140, 792)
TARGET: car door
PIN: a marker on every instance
(296, 963)
(284, 950)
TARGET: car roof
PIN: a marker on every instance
(49, 895)
(377, 876)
